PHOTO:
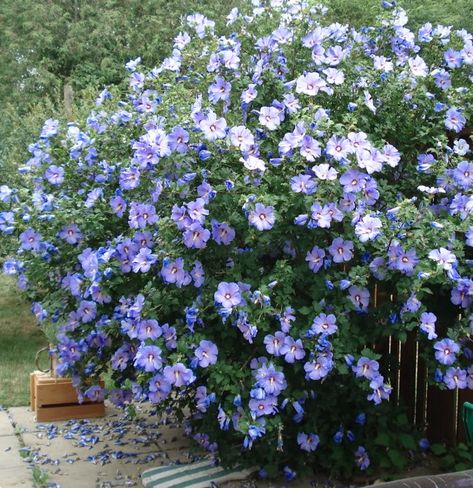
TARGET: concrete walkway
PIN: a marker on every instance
(105, 452)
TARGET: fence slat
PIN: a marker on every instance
(421, 391)
(441, 416)
(407, 387)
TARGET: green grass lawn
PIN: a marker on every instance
(20, 338)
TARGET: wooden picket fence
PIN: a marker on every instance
(436, 412)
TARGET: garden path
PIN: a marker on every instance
(108, 452)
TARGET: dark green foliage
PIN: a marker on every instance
(85, 43)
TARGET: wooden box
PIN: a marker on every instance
(53, 398)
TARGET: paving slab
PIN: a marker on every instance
(15, 477)
(24, 418)
(6, 427)
(10, 452)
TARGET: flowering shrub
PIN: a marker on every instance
(221, 238)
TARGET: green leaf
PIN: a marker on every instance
(408, 441)
(305, 310)
(382, 439)
(438, 449)
(396, 457)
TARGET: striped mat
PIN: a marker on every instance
(195, 475)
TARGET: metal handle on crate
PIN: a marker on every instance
(36, 361)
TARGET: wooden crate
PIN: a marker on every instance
(54, 398)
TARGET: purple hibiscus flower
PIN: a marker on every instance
(360, 297)
(169, 336)
(148, 358)
(174, 272)
(324, 324)
(445, 351)
(308, 442)
(341, 250)
(30, 240)
(380, 391)
(463, 174)
(427, 324)
(292, 350)
(272, 381)
(353, 181)
(274, 343)
(212, 127)
(222, 233)
(321, 216)
(143, 239)
(54, 174)
(228, 295)
(180, 217)
(315, 258)
(95, 393)
(196, 236)
(264, 406)
(159, 383)
(368, 228)
(303, 184)
(206, 353)
(462, 293)
(50, 128)
(262, 218)
(148, 329)
(141, 215)
(178, 375)
(71, 234)
(318, 369)
(242, 138)
(178, 139)
(143, 261)
(197, 211)
(219, 90)
(404, 261)
(286, 318)
(121, 357)
(454, 120)
(87, 311)
(443, 257)
(310, 148)
(367, 368)
(310, 84)
(269, 117)
(455, 378)
(118, 205)
(129, 178)
(198, 274)
(361, 458)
